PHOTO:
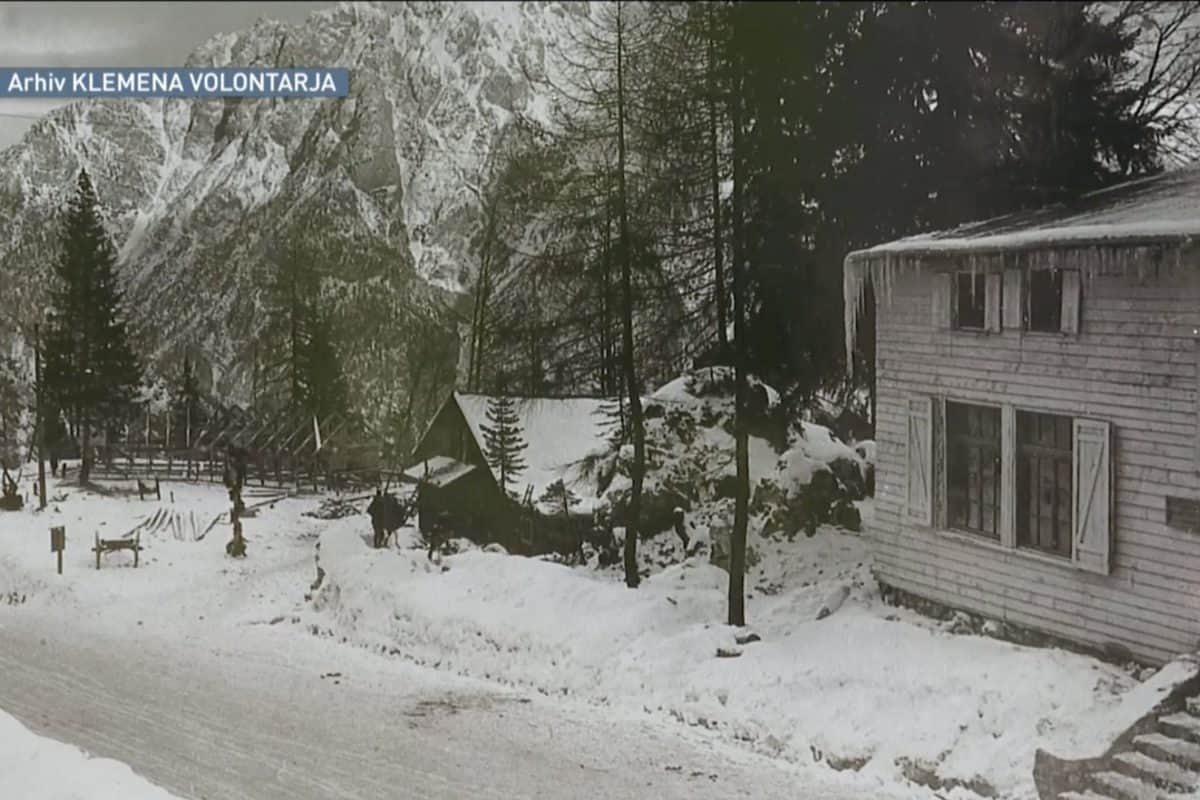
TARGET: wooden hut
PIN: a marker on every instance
(1038, 427)
(463, 493)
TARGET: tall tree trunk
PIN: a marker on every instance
(715, 184)
(607, 377)
(85, 446)
(737, 538)
(476, 316)
(632, 523)
(479, 313)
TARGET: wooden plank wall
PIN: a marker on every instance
(1133, 364)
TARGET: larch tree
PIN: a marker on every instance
(188, 414)
(304, 367)
(92, 373)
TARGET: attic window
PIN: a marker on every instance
(970, 305)
(1045, 300)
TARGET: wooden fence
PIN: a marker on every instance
(283, 452)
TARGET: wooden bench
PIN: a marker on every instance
(111, 545)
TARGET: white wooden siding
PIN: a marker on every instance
(1133, 364)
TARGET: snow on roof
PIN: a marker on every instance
(439, 471)
(1125, 227)
(560, 433)
(1164, 207)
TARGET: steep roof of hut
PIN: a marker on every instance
(560, 433)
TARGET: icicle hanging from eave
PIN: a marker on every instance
(880, 271)
(1090, 260)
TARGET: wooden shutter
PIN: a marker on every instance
(1013, 300)
(1070, 301)
(993, 282)
(1008, 476)
(1092, 486)
(943, 293)
(920, 460)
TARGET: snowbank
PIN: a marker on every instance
(34, 766)
(867, 683)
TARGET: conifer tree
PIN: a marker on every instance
(10, 412)
(503, 442)
(188, 414)
(305, 366)
(560, 496)
(92, 373)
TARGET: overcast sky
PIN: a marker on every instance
(114, 35)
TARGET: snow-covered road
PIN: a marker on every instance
(272, 723)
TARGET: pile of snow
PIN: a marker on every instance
(831, 688)
(707, 382)
(690, 465)
(34, 766)
(813, 450)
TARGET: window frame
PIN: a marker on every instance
(1074, 555)
(978, 293)
(1027, 305)
(998, 470)
(1024, 537)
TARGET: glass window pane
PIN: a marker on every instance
(1044, 488)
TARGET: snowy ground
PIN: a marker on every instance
(35, 766)
(193, 670)
(869, 686)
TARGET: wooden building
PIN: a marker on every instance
(1038, 420)
(461, 499)
(461, 492)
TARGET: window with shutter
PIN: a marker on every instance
(970, 300)
(1044, 301)
(920, 460)
(1092, 541)
(1052, 301)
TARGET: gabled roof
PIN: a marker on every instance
(559, 432)
(1164, 208)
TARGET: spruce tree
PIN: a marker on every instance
(92, 373)
(502, 439)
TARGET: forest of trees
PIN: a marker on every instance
(706, 168)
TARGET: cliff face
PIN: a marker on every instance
(200, 194)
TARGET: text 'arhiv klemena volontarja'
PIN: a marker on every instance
(181, 82)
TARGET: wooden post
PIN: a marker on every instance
(58, 543)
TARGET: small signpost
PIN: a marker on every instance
(58, 543)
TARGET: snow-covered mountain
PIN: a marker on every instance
(198, 192)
